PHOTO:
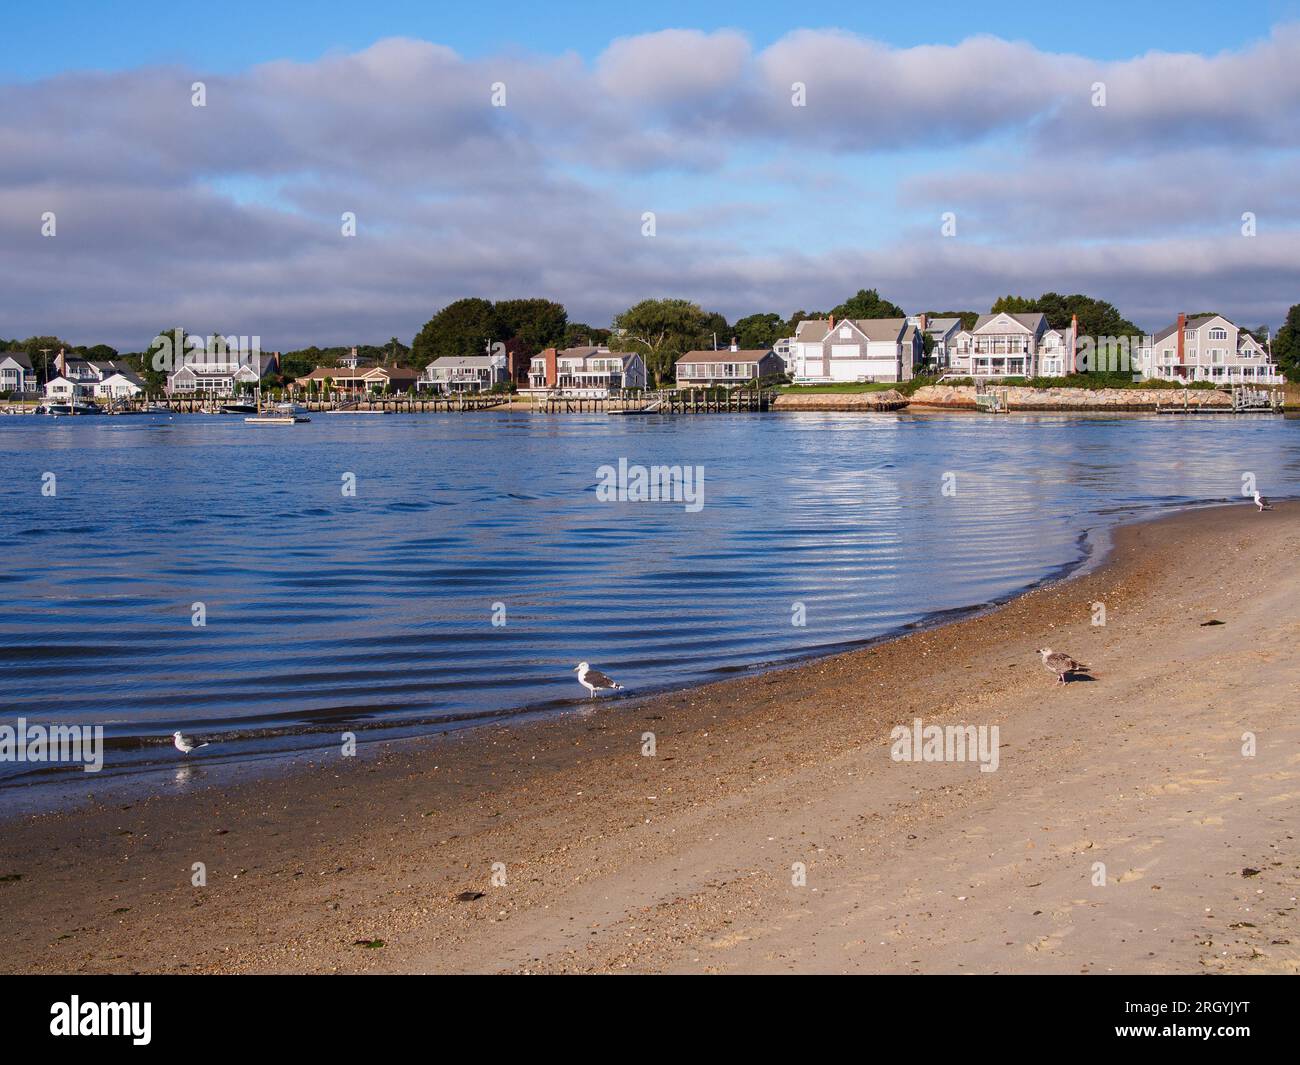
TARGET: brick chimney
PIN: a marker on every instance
(552, 367)
(1182, 328)
(832, 321)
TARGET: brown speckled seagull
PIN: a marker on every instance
(1061, 665)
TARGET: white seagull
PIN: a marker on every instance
(1262, 502)
(185, 745)
(1061, 665)
(594, 680)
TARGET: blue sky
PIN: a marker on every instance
(49, 37)
(226, 218)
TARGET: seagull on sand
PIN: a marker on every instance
(594, 680)
(1061, 665)
(185, 745)
(1262, 502)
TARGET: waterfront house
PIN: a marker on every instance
(942, 333)
(219, 374)
(1207, 348)
(729, 367)
(1010, 345)
(359, 379)
(865, 349)
(586, 371)
(118, 384)
(464, 373)
(16, 373)
(63, 389)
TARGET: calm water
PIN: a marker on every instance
(374, 613)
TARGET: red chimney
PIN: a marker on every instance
(832, 321)
(552, 371)
(1182, 328)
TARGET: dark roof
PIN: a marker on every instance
(20, 357)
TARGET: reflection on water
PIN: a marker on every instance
(327, 613)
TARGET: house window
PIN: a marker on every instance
(845, 332)
(1218, 334)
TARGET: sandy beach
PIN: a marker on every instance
(1124, 829)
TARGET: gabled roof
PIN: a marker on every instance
(127, 375)
(1191, 323)
(811, 330)
(20, 357)
(1028, 320)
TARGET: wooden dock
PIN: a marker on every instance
(1245, 400)
(674, 401)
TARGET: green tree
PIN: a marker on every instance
(802, 316)
(662, 330)
(1286, 345)
(1097, 318)
(867, 304)
(578, 334)
(465, 327)
(536, 323)
(760, 331)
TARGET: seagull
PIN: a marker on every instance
(1060, 664)
(594, 680)
(1262, 502)
(185, 745)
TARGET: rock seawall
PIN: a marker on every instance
(1019, 397)
(847, 401)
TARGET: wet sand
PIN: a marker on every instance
(607, 859)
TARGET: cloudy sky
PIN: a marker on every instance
(790, 154)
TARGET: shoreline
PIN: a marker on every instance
(680, 862)
(927, 399)
(68, 790)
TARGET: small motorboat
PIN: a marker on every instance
(282, 414)
(239, 408)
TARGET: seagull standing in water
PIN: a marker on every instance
(184, 745)
(1061, 665)
(1262, 502)
(594, 680)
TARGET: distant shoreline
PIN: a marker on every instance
(1014, 398)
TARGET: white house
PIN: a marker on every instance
(464, 373)
(218, 373)
(1207, 348)
(119, 384)
(1013, 345)
(62, 389)
(16, 373)
(589, 371)
(864, 349)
